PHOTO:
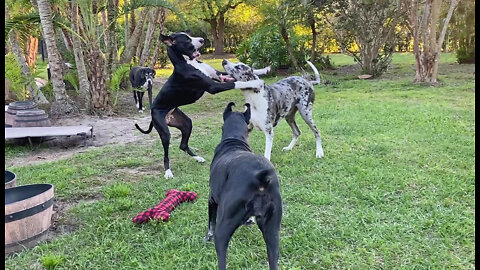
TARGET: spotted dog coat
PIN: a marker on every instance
(282, 99)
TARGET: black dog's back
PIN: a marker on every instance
(242, 184)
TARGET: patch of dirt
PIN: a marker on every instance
(106, 130)
(116, 129)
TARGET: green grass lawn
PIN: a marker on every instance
(394, 191)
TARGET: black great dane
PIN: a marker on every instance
(185, 86)
(242, 184)
(141, 79)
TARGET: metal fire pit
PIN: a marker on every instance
(10, 179)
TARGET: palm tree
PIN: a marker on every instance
(16, 49)
(62, 102)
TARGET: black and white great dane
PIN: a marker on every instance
(185, 86)
(141, 79)
(242, 184)
(271, 103)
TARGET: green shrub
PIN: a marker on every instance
(51, 261)
(13, 73)
(466, 55)
(266, 47)
(119, 80)
(116, 191)
(71, 79)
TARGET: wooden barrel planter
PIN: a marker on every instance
(10, 179)
(28, 215)
(14, 108)
(33, 118)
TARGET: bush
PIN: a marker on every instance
(266, 47)
(119, 80)
(466, 55)
(13, 73)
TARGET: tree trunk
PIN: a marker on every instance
(63, 104)
(111, 52)
(32, 51)
(158, 48)
(84, 84)
(130, 49)
(314, 36)
(219, 44)
(424, 28)
(139, 46)
(148, 38)
(285, 37)
(98, 87)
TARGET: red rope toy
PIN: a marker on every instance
(163, 209)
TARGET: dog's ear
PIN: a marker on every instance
(153, 71)
(228, 109)
(247, 113)
(167, 40)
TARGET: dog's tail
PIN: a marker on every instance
(143, 131)
(260, 205)
(317, 75)
(265, 177)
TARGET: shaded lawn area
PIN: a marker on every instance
(394, 191)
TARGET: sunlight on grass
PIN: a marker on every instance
(395, 190)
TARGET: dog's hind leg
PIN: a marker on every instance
(160, 124)
(271, 234)
(224, 230)
(290, 118)
(212, 219)
(180, 120)
(306, 113)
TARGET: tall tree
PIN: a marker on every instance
(62, 103)
(111, 49)
(84, 84)
(135, 37)
(370, 25)
(282, 14)
(152, 23)
(424, 23)
(214, 14)
(158, 46)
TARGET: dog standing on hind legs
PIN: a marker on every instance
(271, 103)
(185, 86)
(242, 184)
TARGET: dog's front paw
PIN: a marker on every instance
(168, 174)
(287, 148)
(319, 153)
(208, 237)
(199, 159)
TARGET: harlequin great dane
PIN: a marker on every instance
(185, 86)
(270, 103)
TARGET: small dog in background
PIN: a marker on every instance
(141, 79)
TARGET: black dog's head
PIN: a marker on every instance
(183, 43)
(148, 74)
(235, 123)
